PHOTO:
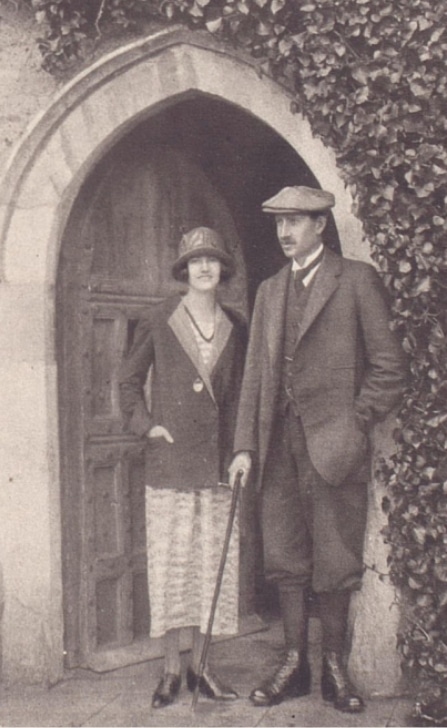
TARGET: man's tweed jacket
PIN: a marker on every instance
(348, 368)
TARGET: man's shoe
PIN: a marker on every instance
(291, 680)
(209, 685)
(336, 687)
(167, 690)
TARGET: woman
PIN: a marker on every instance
(195, 350)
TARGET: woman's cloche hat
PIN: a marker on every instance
(201, 241)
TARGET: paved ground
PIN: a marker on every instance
(123, 697)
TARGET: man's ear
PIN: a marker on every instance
(321, 223)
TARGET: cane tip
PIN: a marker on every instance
(194, 703)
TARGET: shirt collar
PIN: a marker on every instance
(308, 260)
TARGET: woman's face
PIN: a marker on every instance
(204, 272)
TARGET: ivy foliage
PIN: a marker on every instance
(370, 77)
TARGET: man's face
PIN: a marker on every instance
(299, 234)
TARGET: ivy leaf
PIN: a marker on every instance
(213, 26)
(404, 266)
(285, 46)
(420, 535)
(422, 23)
(425, 190)
(340, 49)
(437, 420)
(243, 7)
(276, 6)
(196, 11)
(419, 89)
(424, 285)
(169, 10)
(263, 29)
(413, 584)
(360, 73)
(388, 192)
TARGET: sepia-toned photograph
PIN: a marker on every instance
(223, 392)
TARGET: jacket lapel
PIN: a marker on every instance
(277, 295)
(325, 283)
(223, 331)
(178, 321)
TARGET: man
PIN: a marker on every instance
(322, 367)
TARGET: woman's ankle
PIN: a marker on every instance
(172, 662)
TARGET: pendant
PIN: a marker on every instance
(198, 385)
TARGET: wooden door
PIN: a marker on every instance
(115, 261)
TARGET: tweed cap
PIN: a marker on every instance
(299, 199)
(201, 241)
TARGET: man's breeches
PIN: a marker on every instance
(312, 531)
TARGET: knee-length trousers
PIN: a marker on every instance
(312, 531)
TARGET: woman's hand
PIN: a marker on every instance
(160, 431)
(242, 462)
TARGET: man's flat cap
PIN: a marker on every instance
(299, 199)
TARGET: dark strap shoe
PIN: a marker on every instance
(210, 685)
(292, 679)
(336, 687)
(167, 690)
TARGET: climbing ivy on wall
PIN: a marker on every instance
(370, 75)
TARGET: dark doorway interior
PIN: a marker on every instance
(199, 161)
(244, 158)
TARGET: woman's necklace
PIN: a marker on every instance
(208, 339)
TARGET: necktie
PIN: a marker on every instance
(302, 273)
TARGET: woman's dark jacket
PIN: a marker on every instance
(196, 404)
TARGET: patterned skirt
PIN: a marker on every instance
(185, 535)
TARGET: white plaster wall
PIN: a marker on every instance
(36, 193)
(375, 615)
(29, 497)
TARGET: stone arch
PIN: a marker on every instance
(105, 101)
(37, 193)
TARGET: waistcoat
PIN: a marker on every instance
(295, 307)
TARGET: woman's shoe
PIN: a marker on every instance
(336, 686)
(292, 679)
(210, 685)
(167, 690)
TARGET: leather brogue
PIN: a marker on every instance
(209, 685)
(292, 679)
(336, 687)
(167, 690)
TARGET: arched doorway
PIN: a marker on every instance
(200, 161)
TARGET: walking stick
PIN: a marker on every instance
(223, 558)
